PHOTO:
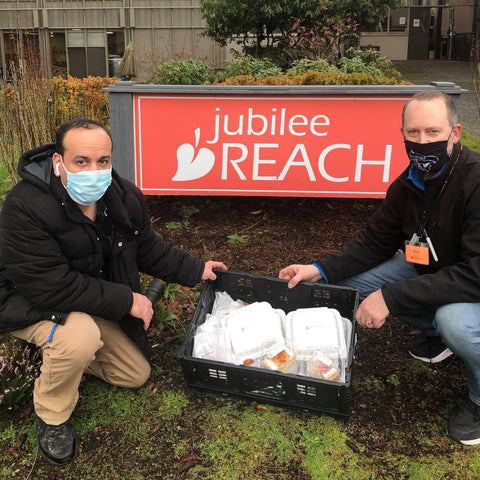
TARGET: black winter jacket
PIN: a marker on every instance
(51, 256)
(454, 228)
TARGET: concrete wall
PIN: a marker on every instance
(391, 44)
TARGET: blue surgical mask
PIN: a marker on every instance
(86, 188)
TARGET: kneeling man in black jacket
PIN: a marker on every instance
(73, 238)
(432, 214)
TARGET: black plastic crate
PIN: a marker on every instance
(306, 393)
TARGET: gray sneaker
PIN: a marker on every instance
(464, 426)
(429, 349)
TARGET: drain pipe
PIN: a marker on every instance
(476, 20)
(451, 23)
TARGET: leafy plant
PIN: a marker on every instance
(185, 211)
(373, 58)
(316, 78)
(19, 366)
(164, 316)
(304, 65)
(373, 384)
(254, 23)
(356, 65)
(417, 367)
(183, 72)
(172, 403)
(171, 292)
(248, 65)
(259, 24)
(174, 225)
(80, 97)
(393, 380)
(235, 238)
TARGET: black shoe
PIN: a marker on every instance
(464, 426)
(57, 443)
(429, 350)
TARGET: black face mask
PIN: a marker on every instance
(427, 157)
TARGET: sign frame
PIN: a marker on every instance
(131, 144)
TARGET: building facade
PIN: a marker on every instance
(427, 29)
(88, 37)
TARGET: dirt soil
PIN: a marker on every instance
(279, 231)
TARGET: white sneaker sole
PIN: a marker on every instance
(475, 441)
(439, 358)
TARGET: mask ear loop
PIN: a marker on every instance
(57, 169)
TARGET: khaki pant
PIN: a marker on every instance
(84, 344)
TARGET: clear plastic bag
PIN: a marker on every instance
(224, 304)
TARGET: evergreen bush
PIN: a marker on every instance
(373, 58)
(183, 72)
(304, 65)
(356, 65)
(248, 65)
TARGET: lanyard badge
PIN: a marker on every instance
(417, 252)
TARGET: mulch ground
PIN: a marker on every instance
(389, 388)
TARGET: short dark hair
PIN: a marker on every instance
(433, 95)
(72, 124)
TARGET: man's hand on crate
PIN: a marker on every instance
(300, 273)
(208, 273)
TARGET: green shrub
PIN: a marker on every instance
(317, 78)
(356, 65)
(277, 54)
(305, 65)
(80, 97)
(248, 65)
(183, 72)
(373, 58)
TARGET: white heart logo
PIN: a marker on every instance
(191, 166)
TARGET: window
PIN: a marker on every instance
(86, 53)
(58, 54)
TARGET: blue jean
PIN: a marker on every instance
(458, 324)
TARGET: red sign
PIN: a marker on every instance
(288, 145)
